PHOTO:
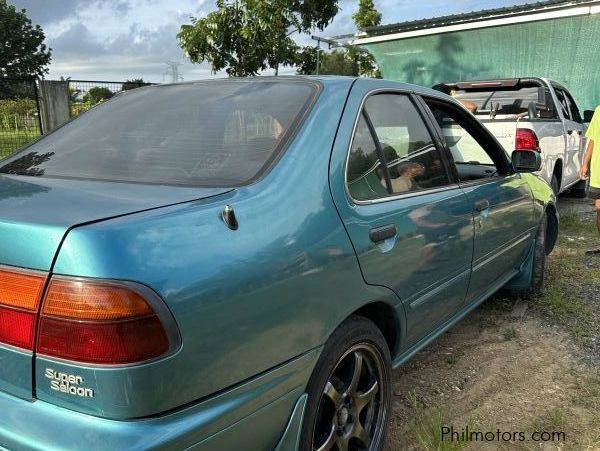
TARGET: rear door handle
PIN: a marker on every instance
(482, 205)
(382, 233)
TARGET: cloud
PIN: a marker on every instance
(77, 41)
(49, 12)
(118, 39)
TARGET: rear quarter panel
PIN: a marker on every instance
(246, 300)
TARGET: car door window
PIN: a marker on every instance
(392, 151)
(564, 105)
(472, 160)
(575, 114)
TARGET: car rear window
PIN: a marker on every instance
(214, 133)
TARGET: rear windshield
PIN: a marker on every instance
(501, 101)
(217, 133)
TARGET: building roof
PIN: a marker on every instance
(486, 14)
(529, 12)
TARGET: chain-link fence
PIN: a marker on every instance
(20, 121)
(85, 94)
(30, 107)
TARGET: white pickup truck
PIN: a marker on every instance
(531, 114)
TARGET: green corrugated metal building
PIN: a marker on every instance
(559, 40)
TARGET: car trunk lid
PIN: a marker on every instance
(35, 215)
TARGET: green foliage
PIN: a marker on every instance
(22, 49)
(367, 15)
(133, 83)
(244, 37)
(337, 62)
(97, 94)
(350, 61)
(17, 106)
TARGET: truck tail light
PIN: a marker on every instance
(20, 294)
(100, 322)
(527, 140)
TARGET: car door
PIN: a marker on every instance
(573, 137)
(580, 144)
(501, 200)
(409, 222)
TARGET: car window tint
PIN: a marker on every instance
(575, 114)
(217, 133)
(472, 160)
(365, 175)
(562, 100)
(410, 158)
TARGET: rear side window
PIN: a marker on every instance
(496, 103)
(223, 133)
(392, 151)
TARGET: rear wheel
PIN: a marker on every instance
(538, 272)
(554, 184)
(349, 392)
(579, 190)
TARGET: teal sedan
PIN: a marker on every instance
(239, 264)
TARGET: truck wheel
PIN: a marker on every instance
(579, 190)
(554, 185)
(349, 392)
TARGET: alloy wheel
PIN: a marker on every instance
(352, 412)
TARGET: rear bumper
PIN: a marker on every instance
(265, 412)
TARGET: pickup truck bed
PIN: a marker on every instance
(534, 112)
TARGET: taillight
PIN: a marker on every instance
(100, 322)
(20, 294)
(527, 140)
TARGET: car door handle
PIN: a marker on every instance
(580, 132)
(382, 233)
(570, 132)
(482, 205)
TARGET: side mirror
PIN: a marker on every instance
(587, 116)
(525, 161)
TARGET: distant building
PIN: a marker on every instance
(559, 40)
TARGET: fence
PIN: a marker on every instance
(85, 94)
(20, 119)
(30, 107)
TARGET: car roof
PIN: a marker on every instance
(324, 79)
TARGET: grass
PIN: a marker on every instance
(427, 427)
(573, 279)
(11, 141)
(451, 360)
(510, 334)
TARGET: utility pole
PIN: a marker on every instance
(173, 72)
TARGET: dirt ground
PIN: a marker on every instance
(513, 368)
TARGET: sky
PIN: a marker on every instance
(114, 40)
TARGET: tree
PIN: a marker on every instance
(336, 62)
(351, 60)
(133, 83)
(367, 16)
(97, 94)
(22, 49)
(244, 37)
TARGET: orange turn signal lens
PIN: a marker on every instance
(93, 301)
(21, 290)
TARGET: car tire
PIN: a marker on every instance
(554, 185)
(579, 190)
(540, 256)
(349, 392)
